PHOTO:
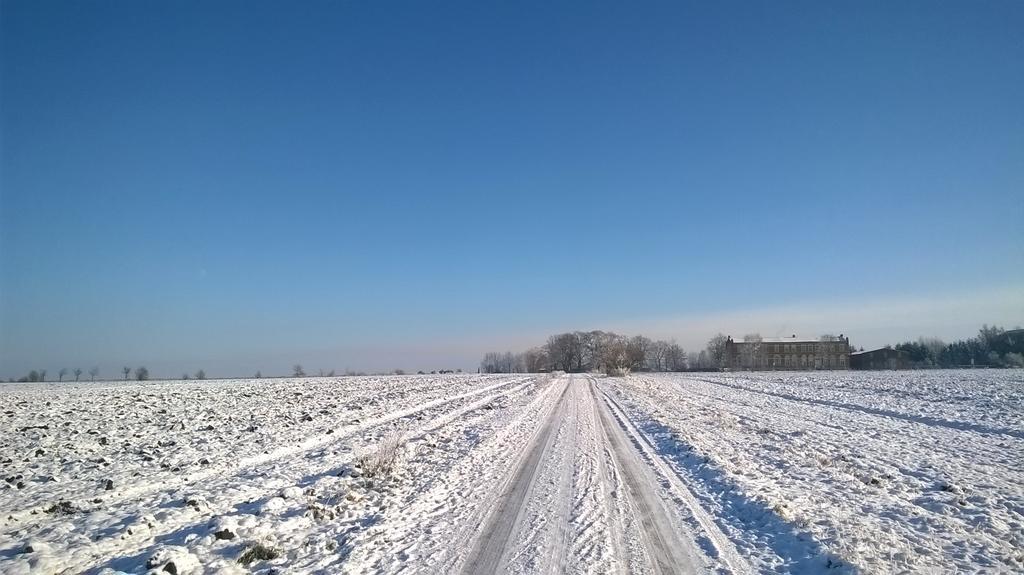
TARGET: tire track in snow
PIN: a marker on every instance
(438, 523)
(583, 499)
(668, 550)
(490, 548)
(542, 538)
(597, 540)
(725, 549)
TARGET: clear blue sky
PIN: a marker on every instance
(242, 185)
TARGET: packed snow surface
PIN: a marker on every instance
(837, 472)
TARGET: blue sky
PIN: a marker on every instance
(243, 185)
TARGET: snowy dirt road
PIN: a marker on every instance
(583, 500)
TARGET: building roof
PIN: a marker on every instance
(793, 339)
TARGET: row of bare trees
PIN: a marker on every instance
(40, 375)
(583, 351)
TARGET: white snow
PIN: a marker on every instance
(883, 471)
(781, 472)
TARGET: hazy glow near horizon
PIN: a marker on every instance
(243, 186)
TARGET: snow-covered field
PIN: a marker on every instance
(729, 473)
(888, 471)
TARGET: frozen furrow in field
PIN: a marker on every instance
(451, 480)
(848, 470)
(64, 440)
(119, 531)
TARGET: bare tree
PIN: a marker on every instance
(657, 355)
(60, 374)
(703, 361)
(141, 373)
(93, 373)
(78, 373)
(259, 375)
(535, 360)
(675, 357)
(297, 371)
(42, 375)
(716, 350)
(614, 357)
(566, 351)
(126, 371)
(200, 374)
(637, 349)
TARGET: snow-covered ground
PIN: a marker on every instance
(887, 471)
(726, 473)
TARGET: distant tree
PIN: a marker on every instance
(675, 357)
(141, 373)
(502, 362)
(614, 357)
(656, 355)
(33, 376)
(330, 373)
(565, 351)
(717, 349)
(989, 337)
(78, 373)
(933, 346)
(200, 374)
(42, 375)
(399, 372)
(184, 377)
(126, 371)
(259, 375)
(93, 373)
(535, 359)
(297, 371)
(60, 374)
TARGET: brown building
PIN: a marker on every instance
(884, 358)
(788, 353)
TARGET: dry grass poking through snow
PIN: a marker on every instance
(381, 461)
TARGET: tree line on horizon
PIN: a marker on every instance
(611, 353)
(142, 374)
(583, 351)
(992, 347)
